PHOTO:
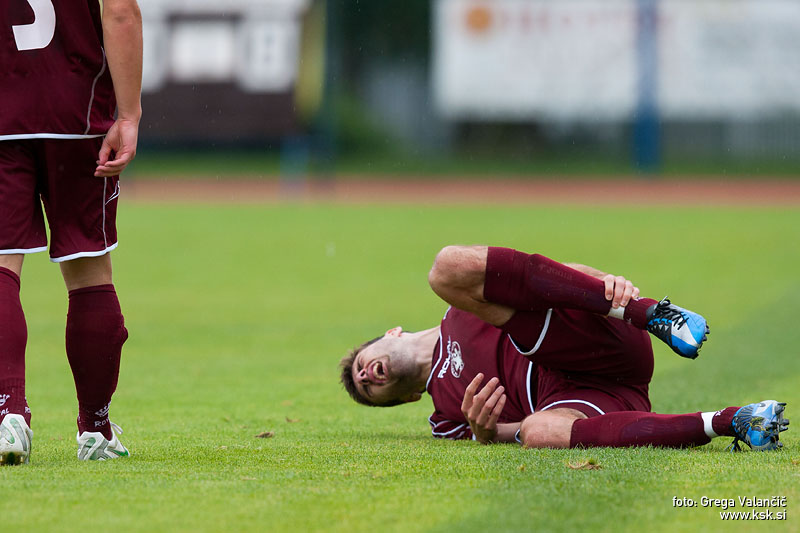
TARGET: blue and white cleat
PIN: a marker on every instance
(684, 331)
(759, 425)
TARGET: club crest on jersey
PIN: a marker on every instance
(454, 361)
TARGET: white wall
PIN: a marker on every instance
(254, 43)
(577, 59)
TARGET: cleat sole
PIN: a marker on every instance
(11, 459)
(766, 426)
(779, 424)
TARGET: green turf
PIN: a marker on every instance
(267, 164)
(238, 316)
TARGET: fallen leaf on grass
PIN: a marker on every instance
(287, 402)
(245, 478)
(521, 468)
(796, 462)
(587, 464)
(292, 420)
(265, 435)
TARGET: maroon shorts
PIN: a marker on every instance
(81, 209)
(557, 391)
(593, 364)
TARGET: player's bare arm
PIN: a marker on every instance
(619, 291)
(482, 410)
(122, 36)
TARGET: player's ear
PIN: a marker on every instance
(394, 332)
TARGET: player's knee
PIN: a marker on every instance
(87, 272)
(443, 268)
(546, 430)
(532, 433)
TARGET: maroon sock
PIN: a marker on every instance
(636, 428)
(534, 283)
(636, 311)
(95, 335)
(721, 422)
(13, 338)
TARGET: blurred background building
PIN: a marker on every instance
(531, 86)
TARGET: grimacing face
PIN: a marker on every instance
(386, 370)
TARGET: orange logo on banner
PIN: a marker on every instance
(479, 18)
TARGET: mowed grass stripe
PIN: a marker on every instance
(238, 316)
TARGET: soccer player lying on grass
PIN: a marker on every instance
(564, 354)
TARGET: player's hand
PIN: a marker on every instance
(619, 291)
(120, 143)
(483, 409)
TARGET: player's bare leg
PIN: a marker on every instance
(95, 335)
(493, 283)
(87, 272)
(758, 425)
(12, 262)
(549, 429)
(15, 417)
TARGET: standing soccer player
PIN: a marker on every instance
(65, 67)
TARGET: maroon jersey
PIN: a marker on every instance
(575, 359)
(468, 346)
(54, 80)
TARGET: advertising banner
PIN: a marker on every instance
(579, 59)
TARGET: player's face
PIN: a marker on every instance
(386, 370)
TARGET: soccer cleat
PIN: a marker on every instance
(15, 440)
(759, 425)
(93, 446)
(684, 331)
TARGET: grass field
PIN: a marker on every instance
(471, 164)
(238, 316)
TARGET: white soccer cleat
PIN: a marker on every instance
(15, 440)
(93, 446)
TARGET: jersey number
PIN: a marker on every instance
(39, 33)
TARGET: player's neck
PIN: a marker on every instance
(424, 344)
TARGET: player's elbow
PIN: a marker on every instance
(121, 13)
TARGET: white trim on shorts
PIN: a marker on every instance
(18, 136)
(584, 402)
(105, 203)
(24, 250)
(528, 379)
(83, 254)
(541, 336)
